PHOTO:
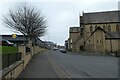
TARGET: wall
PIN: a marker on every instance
(111, 25)
(79, 43)
(100, 41)
(112, 45)
(13, 71)
(96, 42)
(16, 69)
(99, 36)
(25, 56)
(87, 32)
(73, 37)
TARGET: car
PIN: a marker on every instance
(63, 50)
(4, 42)
(55, 49)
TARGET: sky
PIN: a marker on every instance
(60, 14)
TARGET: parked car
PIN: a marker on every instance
(4, 42)
(63, 50)
(55, 49)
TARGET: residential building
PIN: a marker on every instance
(20, 40)
(50, 44)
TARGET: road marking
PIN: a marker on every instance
(59, 71)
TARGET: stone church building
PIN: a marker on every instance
(99, 32)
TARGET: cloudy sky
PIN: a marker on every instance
(60, 14)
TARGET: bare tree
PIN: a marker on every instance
(26, 20)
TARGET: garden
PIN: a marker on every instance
(8, 55)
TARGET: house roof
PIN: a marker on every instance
(20, 38)
(9, 37)
(101, 17)
(39, 41)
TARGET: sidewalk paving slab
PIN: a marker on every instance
(39, 67)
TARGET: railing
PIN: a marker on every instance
(9, 59)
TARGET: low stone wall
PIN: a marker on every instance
(27, 58)
(38, 49)
(14, 70)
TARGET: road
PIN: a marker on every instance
(53, 64)
(81, 66)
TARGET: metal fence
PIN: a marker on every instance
(9, 59)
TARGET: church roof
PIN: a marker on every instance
(112, 35)
(102, 17)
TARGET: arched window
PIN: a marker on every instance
(91, 28)
(109, 28)
(117, 27)
(95, 26)
(103, 27)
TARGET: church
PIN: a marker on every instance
(99, 32)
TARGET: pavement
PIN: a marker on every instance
(39, 67)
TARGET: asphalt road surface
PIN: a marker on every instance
(82, 66)
(53, 64)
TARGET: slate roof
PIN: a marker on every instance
(102, 17)
(39, 41)
(74, 29)
(9, 37)
(20, 38)
(112, 35)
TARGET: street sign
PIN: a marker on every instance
(14, 35)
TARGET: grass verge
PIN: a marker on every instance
(8, 50)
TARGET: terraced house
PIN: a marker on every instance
(99, 32)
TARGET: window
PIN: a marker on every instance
(100, 41)
(117, 27)
(84, 42)
(103, 27)
(96, 27)
(109, 28)
(97, 41)
(91, 28)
